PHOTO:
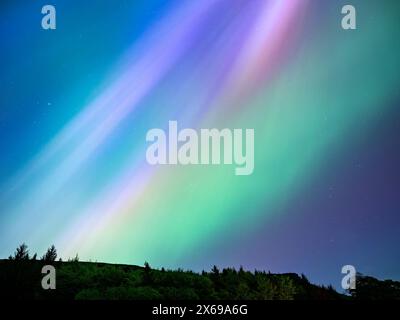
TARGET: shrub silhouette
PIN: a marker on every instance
(369, 288)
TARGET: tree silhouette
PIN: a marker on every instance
(215, 270)
(50, 255)
(21, 254)
(147, 275)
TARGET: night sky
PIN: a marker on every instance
(76, 103)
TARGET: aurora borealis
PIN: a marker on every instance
(76, 103)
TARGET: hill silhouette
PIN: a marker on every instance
(20, 278)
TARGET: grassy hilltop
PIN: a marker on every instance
(21, 277)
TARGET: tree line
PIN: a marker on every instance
(20, 277)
